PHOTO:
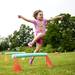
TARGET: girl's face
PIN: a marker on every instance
(40, 16)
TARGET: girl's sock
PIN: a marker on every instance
(30, 61)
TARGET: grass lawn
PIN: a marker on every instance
(64, 64)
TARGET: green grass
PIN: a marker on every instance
(64, 64)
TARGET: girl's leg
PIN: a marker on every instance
(38, 46)
(39, 35)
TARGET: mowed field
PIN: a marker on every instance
(63, 64)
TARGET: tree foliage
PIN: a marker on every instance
(21, 37)
(61, 33)
(18, 38)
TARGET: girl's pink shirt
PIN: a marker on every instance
(36, 24)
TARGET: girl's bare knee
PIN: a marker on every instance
(41, 34)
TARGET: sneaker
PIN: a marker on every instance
(30, 44)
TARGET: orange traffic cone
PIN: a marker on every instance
(48, 62)
(16, 66)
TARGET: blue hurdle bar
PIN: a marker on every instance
(28, 55)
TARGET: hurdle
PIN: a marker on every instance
(48, 61)
(17, 67)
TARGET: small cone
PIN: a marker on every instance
(16, 66)
(48, 62)
(6, 59)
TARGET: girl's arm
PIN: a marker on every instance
(59, 17)
(56, 17)
(19, 16)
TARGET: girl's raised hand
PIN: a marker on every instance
(19, 16)
(60, 17)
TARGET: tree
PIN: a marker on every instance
(61, 33)
(21, 37)
(25, 34)
(3, 44)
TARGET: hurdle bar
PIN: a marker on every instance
(28, 55)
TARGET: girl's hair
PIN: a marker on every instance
(36, 13)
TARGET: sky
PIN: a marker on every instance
(10, 9)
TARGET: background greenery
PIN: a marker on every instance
(60, 36)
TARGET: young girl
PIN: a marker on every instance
(40, 29)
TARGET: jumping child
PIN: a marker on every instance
(40, 29)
